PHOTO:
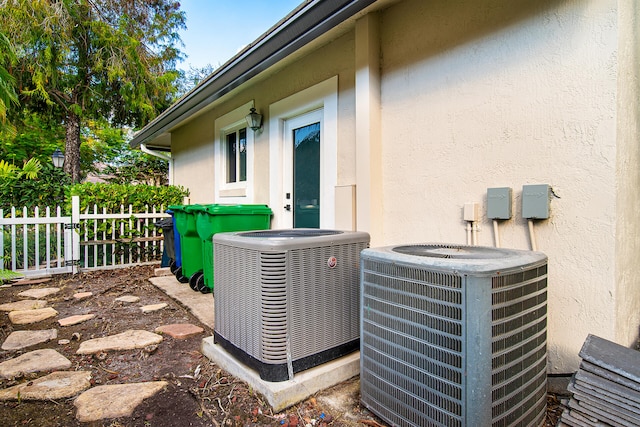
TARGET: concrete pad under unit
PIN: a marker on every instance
(281, 395)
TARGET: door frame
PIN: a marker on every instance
(322, 96)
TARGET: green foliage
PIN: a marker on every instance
(136, 166)
(105, 151)
(35, 136)
(112, 196)
(6, 275)
(8, 94)
(34, 185)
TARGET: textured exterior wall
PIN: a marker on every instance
(192, 153)
(628, 173)
(479, 94)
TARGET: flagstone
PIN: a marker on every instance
(22, 339)
(38, 293)
(153, 307)
(82, 295)
(34, 361)
(24, 282)
(114, 401)
(128, 298)
(74, 320)
(179, 330)
(128, 340)
(25, 317)
(25, 304)
(56, 385)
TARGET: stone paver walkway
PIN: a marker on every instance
(34, 361)
(56, 385)
(25, 317)
(114, 401)
(179, 330)
(22, 339)
(25, 304)
(39, 293)
(74, 320)
(128, 298)
(92, 403)
(128, 340)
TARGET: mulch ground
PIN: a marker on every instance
(199, 392)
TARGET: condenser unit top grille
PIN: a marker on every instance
(293, 233)
(458, 259)
(289, 239)
(450, 251)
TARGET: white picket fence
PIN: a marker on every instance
(94, 239)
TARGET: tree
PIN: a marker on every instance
(94, 59)
(191, 78)
(8, 94)
(32, 135)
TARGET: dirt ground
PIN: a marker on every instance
(199, 392)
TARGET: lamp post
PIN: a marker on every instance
(58, 158)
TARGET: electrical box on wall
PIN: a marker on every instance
(499, 203)
(471, 211)
(535, 201)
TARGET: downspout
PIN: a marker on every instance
(162, 156)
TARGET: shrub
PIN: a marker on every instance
(112, 196)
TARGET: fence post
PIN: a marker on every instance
(75, 232)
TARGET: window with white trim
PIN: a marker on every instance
(236, 155)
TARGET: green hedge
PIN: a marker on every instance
(47, 190)
(112, 196)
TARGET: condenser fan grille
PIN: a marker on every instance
(412, 332)
(449, 251)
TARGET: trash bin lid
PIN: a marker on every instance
(178, 208)
(237, 209)
(194, 208)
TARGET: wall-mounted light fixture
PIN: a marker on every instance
(57, 158)
(254, 120)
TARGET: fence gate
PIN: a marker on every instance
(40, 245)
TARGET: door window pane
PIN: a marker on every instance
(242, 155)
(231, 157)
(306, 176)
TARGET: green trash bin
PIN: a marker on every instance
(212, 219)
(190, 243)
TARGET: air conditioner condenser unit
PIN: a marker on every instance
(287, 300)
(454, 335)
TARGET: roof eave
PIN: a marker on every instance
(306, 23)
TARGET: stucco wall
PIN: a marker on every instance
(192, 153)
(479, 94)
(628, 170)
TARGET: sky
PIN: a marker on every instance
(218, 29)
